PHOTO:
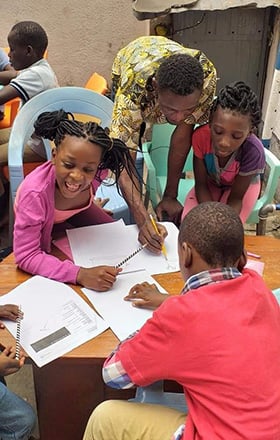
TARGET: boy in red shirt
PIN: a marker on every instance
(219, 339)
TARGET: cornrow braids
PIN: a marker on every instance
(115, 154)
(239, 97)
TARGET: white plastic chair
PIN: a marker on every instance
(77, 100)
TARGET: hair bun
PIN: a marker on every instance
(48, 122)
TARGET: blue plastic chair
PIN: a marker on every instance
(77, 100)
(155, 394)
(116, 202)
(276, 292)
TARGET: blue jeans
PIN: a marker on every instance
(17, 418)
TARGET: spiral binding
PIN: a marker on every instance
(130, 256)
(18, 320)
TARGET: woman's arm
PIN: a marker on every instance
(179, 149)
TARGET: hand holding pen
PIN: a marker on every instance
(163, 248)
(99, 278)
(154, 239)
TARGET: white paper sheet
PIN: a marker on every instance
(123, 318)
(257, 266)
(112, 242)
(56, 319)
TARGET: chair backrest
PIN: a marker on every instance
(155, 154)
(71, 99)
(270, 187)
(97, 83)
(159, 148)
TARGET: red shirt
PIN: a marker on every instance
(222, 343)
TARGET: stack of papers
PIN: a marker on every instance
(56, 319)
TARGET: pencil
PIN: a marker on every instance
(18, 321)
(251, 254)
(163, 248)
(130, 256)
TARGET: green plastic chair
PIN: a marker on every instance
(155, 154)
(273, 163)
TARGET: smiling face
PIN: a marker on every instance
(76, 161)
(176, 108)
(229, 129)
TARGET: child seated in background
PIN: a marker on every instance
(228, 157)
(62, 190)
(28, 42)
(7, 72)
(219, 339)
(17, 418)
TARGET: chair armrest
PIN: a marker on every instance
(269, 191)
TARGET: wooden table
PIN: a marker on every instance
(69, 388)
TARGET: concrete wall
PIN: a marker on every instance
(271, 101)
(84, 35)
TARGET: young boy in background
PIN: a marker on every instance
(219, 339)
(7, 72)
(28, 42)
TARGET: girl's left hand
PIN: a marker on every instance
(146, 296)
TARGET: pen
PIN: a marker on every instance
(251, 254)
(163, 248)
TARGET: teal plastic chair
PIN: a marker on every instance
(155, 154)
(273, 168)
(77, 100)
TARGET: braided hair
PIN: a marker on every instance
(115, 156)
(238, 97)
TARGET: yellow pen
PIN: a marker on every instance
(163, 248)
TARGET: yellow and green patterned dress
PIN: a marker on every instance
(133, 66)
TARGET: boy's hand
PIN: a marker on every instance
(8, 311)
(146, 296)
(100, 278)
(8, 363)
